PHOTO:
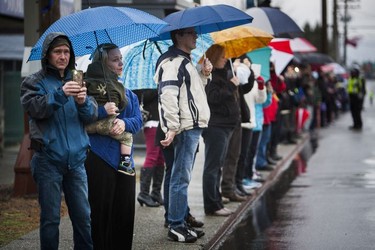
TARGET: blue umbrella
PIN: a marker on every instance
(205, 19)
(93, 26)
(140, 60)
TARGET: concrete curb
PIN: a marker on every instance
(256, 210)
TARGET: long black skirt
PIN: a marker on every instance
(112, 201)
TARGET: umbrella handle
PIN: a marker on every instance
(231, 66)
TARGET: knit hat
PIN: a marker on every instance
(58, 41)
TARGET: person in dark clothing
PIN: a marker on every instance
(112, 193)
(223, 100)
(356, 90)
(282, 121)
(153, 166)
(102, 84)
(233, 169)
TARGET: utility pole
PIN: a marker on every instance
(41, 15)
(324, 27)
(335, 33)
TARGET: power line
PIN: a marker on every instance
(362, 27)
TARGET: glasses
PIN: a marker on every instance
(193, 33)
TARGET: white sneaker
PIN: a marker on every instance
(257, 177)
(251, 184)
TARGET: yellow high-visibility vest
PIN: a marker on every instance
(355, 86)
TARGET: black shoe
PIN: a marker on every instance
(276, 157)
(157, 197)
(181, 234)
(271, 161)
(290, 141)
(355, 128)
(147, 200)
(166, 224)
(264, 168)
(196, 232)
(193, 222)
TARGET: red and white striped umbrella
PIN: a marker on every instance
(281, 54)
(297, 44)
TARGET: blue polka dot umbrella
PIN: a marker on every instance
(140, 60)
(93, 26)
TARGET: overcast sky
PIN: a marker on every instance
(362, 23)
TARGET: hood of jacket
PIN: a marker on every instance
(46, 48)
(98, 74)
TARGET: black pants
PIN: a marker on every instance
(228, 184)
(356, 106)
(253, 149)
(245, 148)
(275, 134)
(112, 201)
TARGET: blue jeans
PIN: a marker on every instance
(261, 158)
(185, 147)
(51, 181)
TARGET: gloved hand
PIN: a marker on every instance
(260, 82)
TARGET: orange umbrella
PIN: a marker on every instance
(241, 39)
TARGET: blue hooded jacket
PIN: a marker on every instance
(56, 121)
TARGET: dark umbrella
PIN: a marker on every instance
(274, 21)
(205, 19)
(314, 59)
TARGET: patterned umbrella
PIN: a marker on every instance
(241, 39)
(140, 60)
(93, 26)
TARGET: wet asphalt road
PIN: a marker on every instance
(332, 204)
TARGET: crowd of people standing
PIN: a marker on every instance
(241, 117)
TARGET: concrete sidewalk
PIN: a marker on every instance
(149, 232)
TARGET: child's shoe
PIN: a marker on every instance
(125, 166)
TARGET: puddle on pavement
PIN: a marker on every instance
(261, 227)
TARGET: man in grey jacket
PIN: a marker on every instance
(58, 109)
(184, 112)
